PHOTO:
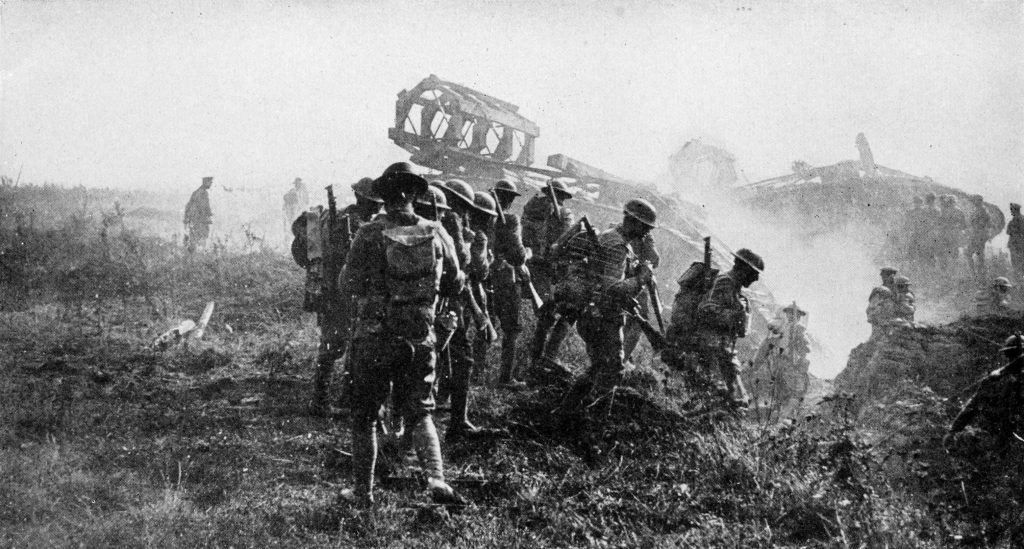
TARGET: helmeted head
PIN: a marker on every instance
(1002, 284)
(297, 182)
(638, 218)
(748, 266)
(504, 187)
(977, 199)
(484, 203)
(1013, 347)
(364, 189)
(1014, 207)
(929, 198)
(460, 195)
(207, 182)
(793, 311)
(561, 188)
(399, 180)
(901, 283)
(433, 196)
(887, 274)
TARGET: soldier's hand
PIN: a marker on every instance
(644, 273)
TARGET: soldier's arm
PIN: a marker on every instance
(647, 251)
(365, 265)
(479, 263)
(452, 278)
(613, 256)
(508, 241)
(719, 310)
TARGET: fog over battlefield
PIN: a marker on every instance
(157, 94)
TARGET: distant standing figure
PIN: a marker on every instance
(881, 303)
(981, 231)
(994, 300)
(1015, 230)
(198, 216)
(903, 300)
(952, 224)
(296, 200)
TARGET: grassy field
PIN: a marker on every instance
(105, 441)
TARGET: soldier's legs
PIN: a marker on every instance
(603, 337)
(507, 303)
(558, 334)
(630, 338)
(546, 318)
(334, 332)
(371, 362)
(462, 369)
(414, 400)
(480, 348)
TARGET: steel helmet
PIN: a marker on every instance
(1013, 343)
(560, 187)
(484, 203)
(433, 196)
(901, 281)
(397, 174)
(506, 187)
(460, 190)
(364, 189)
(750, 258)
(1002, 282)
(642, 211)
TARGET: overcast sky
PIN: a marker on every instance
(161, 93)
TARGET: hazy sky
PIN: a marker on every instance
(161, 93)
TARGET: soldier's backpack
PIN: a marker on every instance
(694, 286)
(413, 276)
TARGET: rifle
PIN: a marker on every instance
(554, 201)
(483, 321)
(497, 206)
(655, 337)
(330, 266)
(652, 290)
(535, 298)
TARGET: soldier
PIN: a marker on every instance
(509, 268)
(930, 231)
(198, 216)
(545, 219)
(398, 266)
(615, 278)
(645, 251)
(481, 254)
(952, 223)
(461, 198)
(903, 301)
(333, 305)
(980, 232)
(779, 368)
(722, 319)
(998, 396)
(296, 200)
(994, 300)
(432, 204)
(881, 303)
(1015, 230)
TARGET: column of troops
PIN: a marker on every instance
(938, 233)
(409, 282)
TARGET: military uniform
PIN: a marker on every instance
(198, 215)
(334, 310)
(880, 310)
(509, 256)
(722, 319)
(398, 266)
(952, 223)
(645, 251)
(999, 395)
(980, 224)
(994, 300)
(1015, 230)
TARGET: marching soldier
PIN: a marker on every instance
(545, 219)
(647, 252)
(615, 279)
(481, 254)
(722, 319)
(509, 268)
(461, 198)
(296, 200)
(198, 216)
(398, 266)
(333, 305)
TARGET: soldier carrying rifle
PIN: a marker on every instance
(322, 240)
